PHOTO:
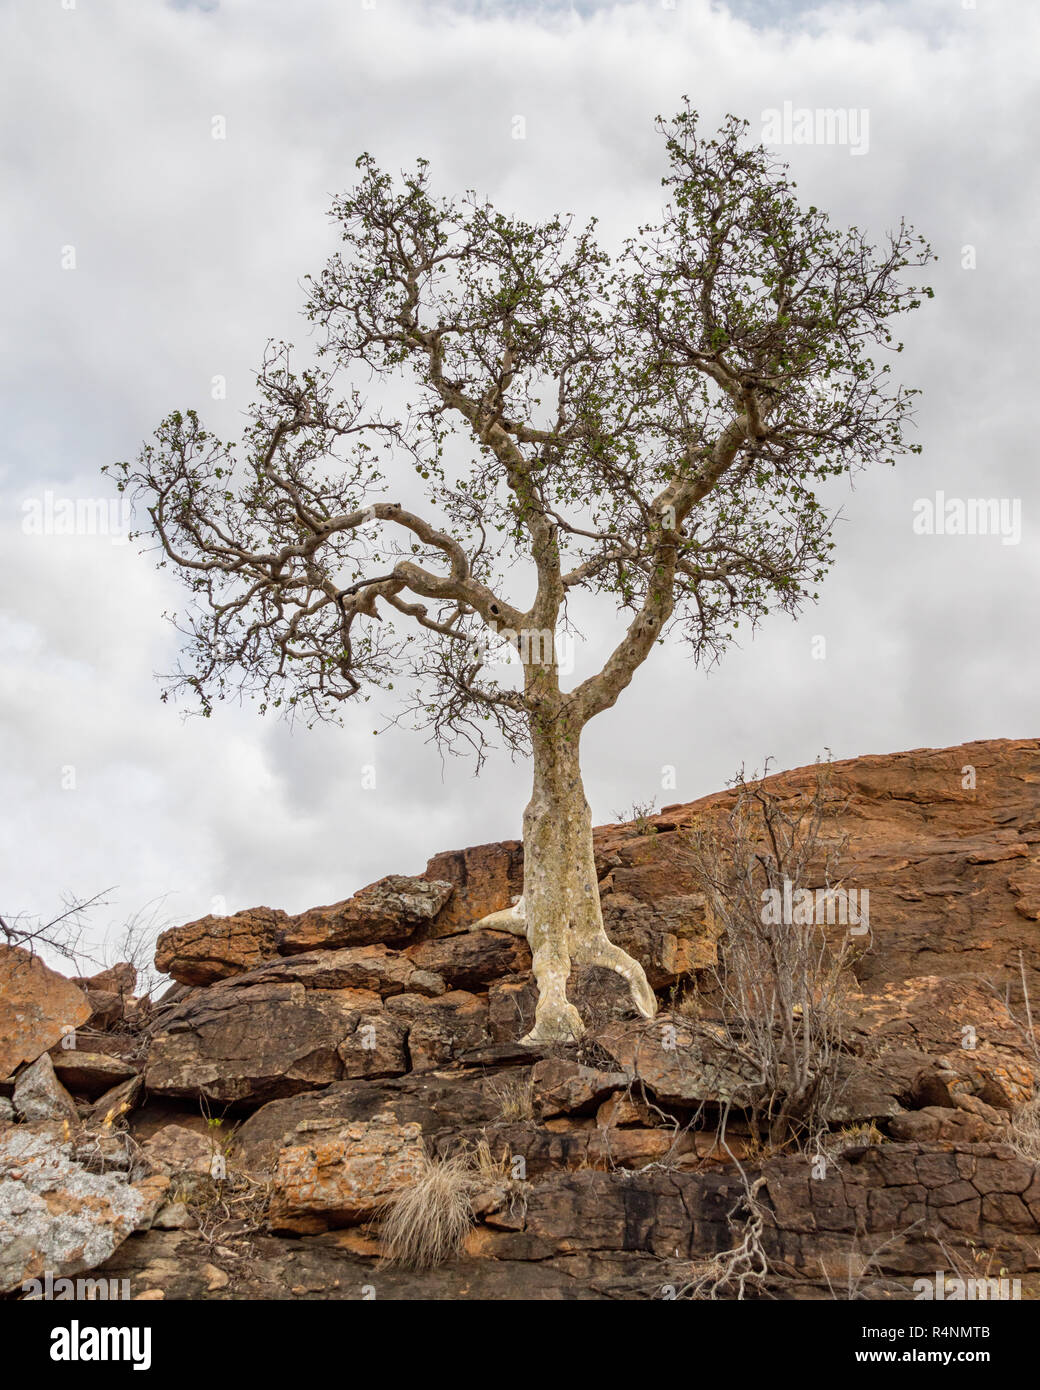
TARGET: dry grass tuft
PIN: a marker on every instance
(427, 1222)
(1024, 1135)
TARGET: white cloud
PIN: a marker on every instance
(189, 251)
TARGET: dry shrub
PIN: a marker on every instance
(782, 985)
(1024, 1134)
(744, 1268)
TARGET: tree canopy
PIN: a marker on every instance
(649, 424)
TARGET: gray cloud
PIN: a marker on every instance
(189, 251)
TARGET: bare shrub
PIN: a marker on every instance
(782, 985)
(742, 1269)
(640, 815)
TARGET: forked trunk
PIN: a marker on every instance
(563, 919)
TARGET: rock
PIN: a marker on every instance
(337, 1174)
(376, 1047)
(485, 879)
(39, 1095)
(118, 979)
(213, 948)
(968, 1121)
(681, 1063)
(56, 1216)
(511, 1005)
(629, 1235)
(389, 911)
(375, 969)
(959, 1022)
(256, 1042)
(116, 1103)
(443, 1028)
(439, 1102)
(37, 1007)
(562, 1087)
(89, 1073)
(873, 1089)
(6, 1111)
(174, 1216)
(175, 1150)
(106, 1009)
(472, 960)
(348, 1035)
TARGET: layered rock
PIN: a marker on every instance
(308, 1067)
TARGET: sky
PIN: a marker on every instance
(166, 173)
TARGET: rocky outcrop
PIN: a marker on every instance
(307, 1067)
(386, 913)
(215, 947)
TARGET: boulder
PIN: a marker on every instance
(335, 1174)
(249, 1044)
(37, 1008)
(389, 911)
(39, 1095)
(681, 1063)
(472, 960)
(89, 1074)
(114, 979)
(563, 1087)
(214, 948)
(57, 1216)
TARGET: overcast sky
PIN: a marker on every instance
(143, 258)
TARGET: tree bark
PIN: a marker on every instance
(564, 922)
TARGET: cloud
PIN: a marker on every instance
(188, 255)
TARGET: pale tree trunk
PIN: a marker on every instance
(564, 923)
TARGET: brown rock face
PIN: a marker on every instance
(486, 878)
(338, 1174)
(249, 1043)
(349, 1040)
(37, 1006)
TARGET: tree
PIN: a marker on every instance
(645, 426)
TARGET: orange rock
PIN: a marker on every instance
(37, 1008)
